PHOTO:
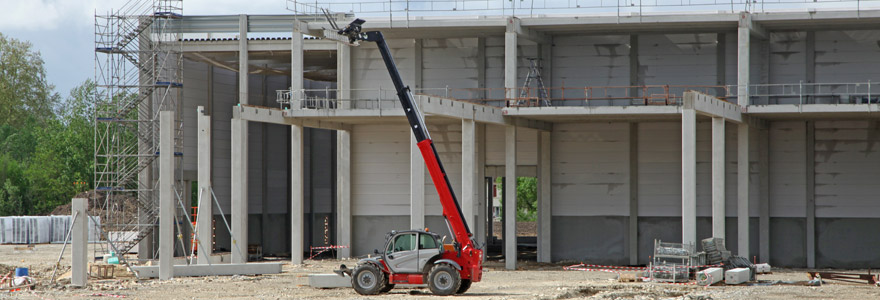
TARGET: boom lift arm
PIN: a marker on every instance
(451, 209)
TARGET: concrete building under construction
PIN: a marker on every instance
(760, 127)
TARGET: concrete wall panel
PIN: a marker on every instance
(787, 169)
(380, 170)
(598, 239)
(526, 146)
(847, 165)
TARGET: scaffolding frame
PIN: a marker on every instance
(138, 73)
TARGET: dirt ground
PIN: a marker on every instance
(534, 281)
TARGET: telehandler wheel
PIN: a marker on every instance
(465, 285)
(367, 279)
(444, 280)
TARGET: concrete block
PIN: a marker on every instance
(710, 276)
(736, 276)
(325, 281)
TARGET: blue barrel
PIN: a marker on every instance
(19, 272)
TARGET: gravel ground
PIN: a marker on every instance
(533, 281)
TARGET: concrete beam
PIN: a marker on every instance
(633, 221)
(167, 202)
(239, 189)
(545, 200)
(296, 194)
(468, 171)
(510, 198)
(205, 217)
(764, 194)
(416, 186)
(192, 47)
(79, 242)
(242, 59)
(755, 29)
(278, 116)
(514, 25)
(742, 191)
(595, 111)
(811, 194)
(718, 178)
(343, 192)
(144, 272)
(712, 107)
(688, 176)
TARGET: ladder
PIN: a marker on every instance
(543, 98)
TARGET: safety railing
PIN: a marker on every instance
(810, 93)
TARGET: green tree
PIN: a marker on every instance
(526, 198)
(25, 94)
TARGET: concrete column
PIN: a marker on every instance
(296, 194)
(742, 192)
(742, 65)
(205, 201)
(545, 200)
(468, 171)
(633, 228)
(718, 176)
(688, 175)
(343, 192)
(343, 75)
(296, 65)
(811, 194)
(510, 198)
(764, 192)
(418, 64)
(416, 186)
(79, 241)
(510, 64)
(167, 202)
(239, 190)
(242, 59)
(481, 184)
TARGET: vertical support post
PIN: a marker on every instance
(296, 65)
(742, 191)
(418, 64)
(742, 61)
(468, 170)
(811, 194)
(343, 192)
(343, 76)
(79, 241)
(480, 197)
(718, 178)
(206, 212)
(764, 194)
(242, 59)
(545, 200)
(296, 194)
(481, 68)
(510, 60)
(510, 198)
(416, 185)
(167, 202)
(239, 190)
(634, 65)
(688, 172)
(633, 232)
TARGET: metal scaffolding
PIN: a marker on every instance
(138, 72)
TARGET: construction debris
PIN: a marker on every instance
(845, 277)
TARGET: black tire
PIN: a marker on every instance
(465, 285)
(387, 288)
(444, 280)
(367, 279)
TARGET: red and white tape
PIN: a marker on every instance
(327, 247)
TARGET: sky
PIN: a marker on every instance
(63, 30)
